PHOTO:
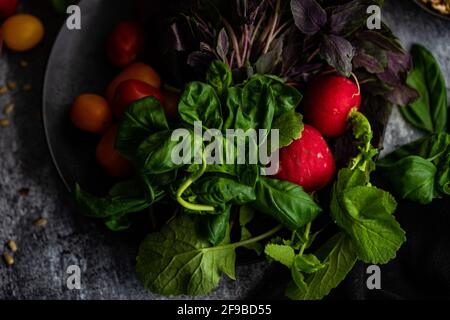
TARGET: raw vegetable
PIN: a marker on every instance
(430, 112)
(130, 91)
(125, 43)
(328, 102)
(307, 161)
(22, 32)
(109, 158)
(7, 8)
(136, 71)
(91, 113)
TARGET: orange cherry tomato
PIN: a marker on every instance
(130, 91)
(22, 32)
(109, 158)
(171, 100)
(137, 71)
(91, 113)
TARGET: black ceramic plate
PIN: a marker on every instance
(431, 10)
(78, 65)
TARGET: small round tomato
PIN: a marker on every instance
(109, 158)
(7, 8)
(22, 32)
(125, 43)
(91, 113)
(137, 71)
(171, 100)
(130, 91)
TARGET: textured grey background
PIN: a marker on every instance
(107, 259)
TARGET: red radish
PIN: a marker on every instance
(307, 161)
(328, 102)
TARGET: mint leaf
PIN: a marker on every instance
(338, 256)
(176, 261)
(365, 213)
(281, 253)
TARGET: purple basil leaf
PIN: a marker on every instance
(370, 57)
(223, 44)
(389, 43)
(176, 39)
(199, 59)
(308, 15)
(338, 52)
(303, 72)
(349, 17)
(399, 64)
(402, 95)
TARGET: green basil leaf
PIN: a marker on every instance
(214, 227)
(246, 215)
(142, 118)
(176, 261)
(232, 105)
(125, 197)
(199, 102)
(429, 112)
(118, 223)
(219, 76)
(154, 155)
(219, 190)
(286, 202)
(411, 178)
(338, 256)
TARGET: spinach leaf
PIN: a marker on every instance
(286, 202)
(232, 104)
(338, 258)
(199, 102)
(219, 76)
(429, 112)
(142, 118)
(176, 261)
(154, 154)
(365, 213)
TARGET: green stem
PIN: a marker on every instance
(306, 238)
(194, 177)
(248, 241)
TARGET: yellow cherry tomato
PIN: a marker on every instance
(22, 32)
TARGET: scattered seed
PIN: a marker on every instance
(41, 222)
(8, 109)
(24, 192)
(11, 85)
(12, 245)
(8, 259)
(3, 89)
(27, 87)
(23, 63)
(4, 123)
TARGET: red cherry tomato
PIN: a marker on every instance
(125, 43)
(130, 91)
(7, 8)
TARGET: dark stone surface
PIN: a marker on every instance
(107, 259)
